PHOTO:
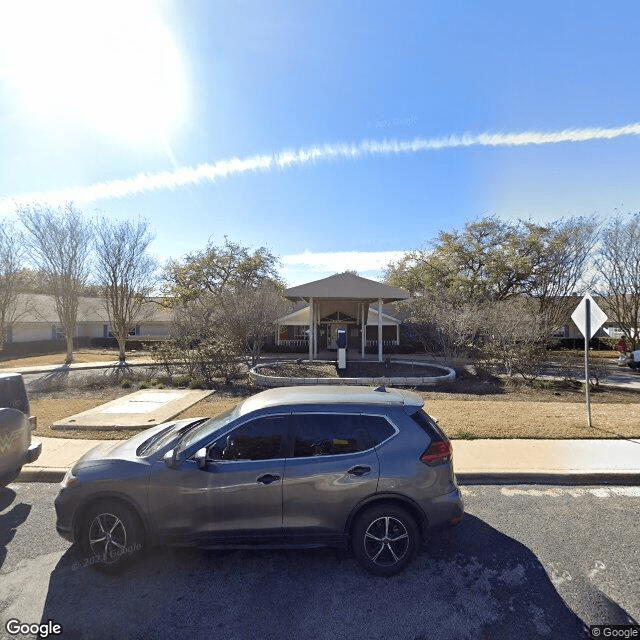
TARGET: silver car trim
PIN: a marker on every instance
(293, 414)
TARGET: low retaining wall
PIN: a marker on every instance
(449, 375)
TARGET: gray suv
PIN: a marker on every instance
(290, 467)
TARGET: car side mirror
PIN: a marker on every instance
(200, 457)
(171, 459)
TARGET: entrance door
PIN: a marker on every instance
(332, 335)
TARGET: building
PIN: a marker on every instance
(37, 320)
(342, 301)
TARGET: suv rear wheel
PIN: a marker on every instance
(385, 538)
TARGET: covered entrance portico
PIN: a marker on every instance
(343, 301)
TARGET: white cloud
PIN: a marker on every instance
(338, 261)
(308, 266)
(183, 176)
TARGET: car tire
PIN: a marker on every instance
(385, 538)
(110, 536)
(9, 477)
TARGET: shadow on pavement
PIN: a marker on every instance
(472, 582)
(11, 520)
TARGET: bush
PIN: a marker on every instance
(204, 360)
(181, 381)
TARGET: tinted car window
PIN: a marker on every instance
(378, 428)
(259, 439)
(428, 424)
(325, 434)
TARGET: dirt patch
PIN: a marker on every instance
(300, 370)
(354, 369)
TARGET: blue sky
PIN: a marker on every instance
(134, 109)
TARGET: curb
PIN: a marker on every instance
(572, 478)
(42, 474)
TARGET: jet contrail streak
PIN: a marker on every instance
(184, 176)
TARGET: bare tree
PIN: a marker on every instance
(515, 337)
(251, 316)
(11, 257)
(126, 273)
(59, 242)
(241, 289)
(619, 269)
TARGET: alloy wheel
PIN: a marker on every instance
(386, 541)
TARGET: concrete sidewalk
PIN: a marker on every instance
(570, 462)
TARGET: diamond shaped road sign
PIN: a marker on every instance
(597, 316)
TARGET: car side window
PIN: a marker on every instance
(258, 439)
(325, 434)
(378, 428)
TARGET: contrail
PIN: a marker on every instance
(184, 176)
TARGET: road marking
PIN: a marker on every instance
(561, 492)
(598, 566)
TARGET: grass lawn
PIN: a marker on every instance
(467, 410)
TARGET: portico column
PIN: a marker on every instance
(316, 318)
(363, 322)
(379, 330)
(311, 320)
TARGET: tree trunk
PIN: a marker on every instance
(122, 343)
(69, 357)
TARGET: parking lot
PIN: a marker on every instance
(509, 570)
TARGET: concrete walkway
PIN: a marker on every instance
(475, 461)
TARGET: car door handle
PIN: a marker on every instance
(268, 478)
(359, 470)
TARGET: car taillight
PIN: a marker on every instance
(440, 451)
(34, 422)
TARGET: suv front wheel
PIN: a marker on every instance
(385, 538)
(110, 536)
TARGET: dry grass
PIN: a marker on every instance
(467, 410)
(80, 356)
(504, 417)
(516, 414)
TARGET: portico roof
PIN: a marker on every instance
(346, 286)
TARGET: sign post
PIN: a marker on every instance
(588, 317)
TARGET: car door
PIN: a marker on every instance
(333, 467)
(237, 496)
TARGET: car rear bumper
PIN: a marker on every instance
(446, 509)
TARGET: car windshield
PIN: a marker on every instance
(210, 426)
(160, 440)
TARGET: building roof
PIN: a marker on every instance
(301, 318)
(37, 307)
(346, 286)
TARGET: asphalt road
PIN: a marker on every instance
(527, 562)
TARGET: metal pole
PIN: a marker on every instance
(587, 338)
